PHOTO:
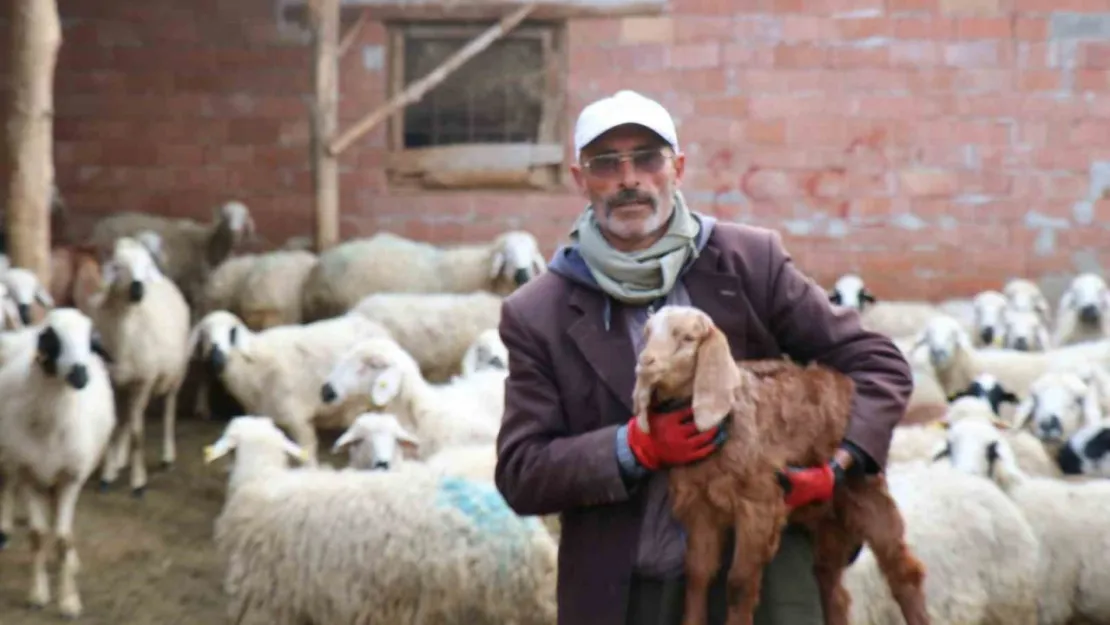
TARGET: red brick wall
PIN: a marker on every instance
(937, 152)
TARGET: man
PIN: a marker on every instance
(568, 443)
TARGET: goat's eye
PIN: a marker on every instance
(689, 338)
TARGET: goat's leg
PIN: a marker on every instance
(704, 541)
(136, 410)
(39, 535)
(833, 549)
(7, 505)
(169, 424)
(69, 600)
(884, 529)
(758, 534)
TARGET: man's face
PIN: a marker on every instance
(629, 175)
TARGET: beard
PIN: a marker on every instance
(644, 215)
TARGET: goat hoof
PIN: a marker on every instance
(105, 486)
(3, 540)
(138, 492)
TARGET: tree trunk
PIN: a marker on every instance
(36, 37)
(324, 16)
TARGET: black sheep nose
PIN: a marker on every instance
(78, 377)
(217, 360)
(1022, 345)
(1089, 313)
(520, 276)
(1052, 426)
(24, 313)
(987, 335)
(135, 291)
(328, 394)
(380, 465)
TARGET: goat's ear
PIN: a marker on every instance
(497, 263)
(715, 379)
(641, 402)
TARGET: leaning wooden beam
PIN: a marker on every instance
(352, 34)
(35, 38)
(325, 120)
(416, 90)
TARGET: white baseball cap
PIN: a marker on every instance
(623, 107)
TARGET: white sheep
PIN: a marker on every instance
(405, 548)
(436, 329)
(987, 387)
(190, 250)
(920, 442)
(851, 292)
(486, 352)
(279, 371)
(895, 319)
(1024, 330)
(980, 554)
(1058, 404)
(464, 411)
(1087, 452)
(1083, 312)
(987, 323)
(386, 263)
(1069, 519)
(25, 289)
(264, 290)
(58, 417)
(144, 319)
(1024, 294)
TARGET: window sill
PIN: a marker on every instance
(484, 9)
(478, 166)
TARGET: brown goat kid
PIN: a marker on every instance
(779, 414)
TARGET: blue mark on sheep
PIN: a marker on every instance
(483, 505)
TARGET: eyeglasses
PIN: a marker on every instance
(648, 161)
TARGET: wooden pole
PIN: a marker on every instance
(324, 15)
(36, 38)
(352, 34)
(416, 90)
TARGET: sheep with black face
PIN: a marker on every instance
(58, 417)
(144, 319)
(1087, 452)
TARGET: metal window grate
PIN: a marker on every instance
(495, 97)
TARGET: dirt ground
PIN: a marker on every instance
(143, 562)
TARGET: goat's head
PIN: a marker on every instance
(975, 446)
(260, 433)
(377, 364)
(1024, 330)
(25, 289)
(685, 356)
(1058, 404)
(516, 259)
(65, 345)
(1087, 452)
(1087, 297)
(987, 387)
(215, 337)
(945, 338)
(988, 307)
(851, 292)
(373, 439)
(133, 267)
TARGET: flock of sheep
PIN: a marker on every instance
(394, 342)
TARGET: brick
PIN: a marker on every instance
(765, 132)
(722, 106)
(900, 6)
(655, 29)
(698, 28)
(767, 184)
(700, 55)
(1029, 28)
(1094, 55)
(984, 28)
(799, 56)
(921, 182)
(949, 7)
(863, 27)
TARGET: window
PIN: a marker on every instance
(496, 121)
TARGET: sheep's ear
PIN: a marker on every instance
(539, 263)
(1092, 406)
(386, 386)
(940, 451)
(715, 379)
(42, 296)
(496, 264)
(219, 449)
(349, 437)
(294, 450)
(406, 439)
(1043, 337)
(1007, 396)
(1023, 414)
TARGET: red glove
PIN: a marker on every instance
(808, 485)
(674, 439)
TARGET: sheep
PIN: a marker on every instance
(1024, 294)
(270, 294)
(10, 319)
(1024, 330)
(987, 324)
(279, 371)
(1067, 517)
(465, 411)
(436, 329)
(1059, 403)
(986, 386)
(1087, 451)
(224, 284)
(980, 552)
(386, 263)
(26, 290)
(58, 417)
(144, 320)
(915, 443)
(323, 546)
(1082, 313)
(686, 358)
(486, 352)
(850, 291)
(190, 250)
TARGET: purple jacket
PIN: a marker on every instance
(571, 373)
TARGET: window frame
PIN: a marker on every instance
(535, 165)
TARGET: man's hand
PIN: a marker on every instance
(811, 484)
(674, 440)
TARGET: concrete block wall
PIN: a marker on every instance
(938, 147)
